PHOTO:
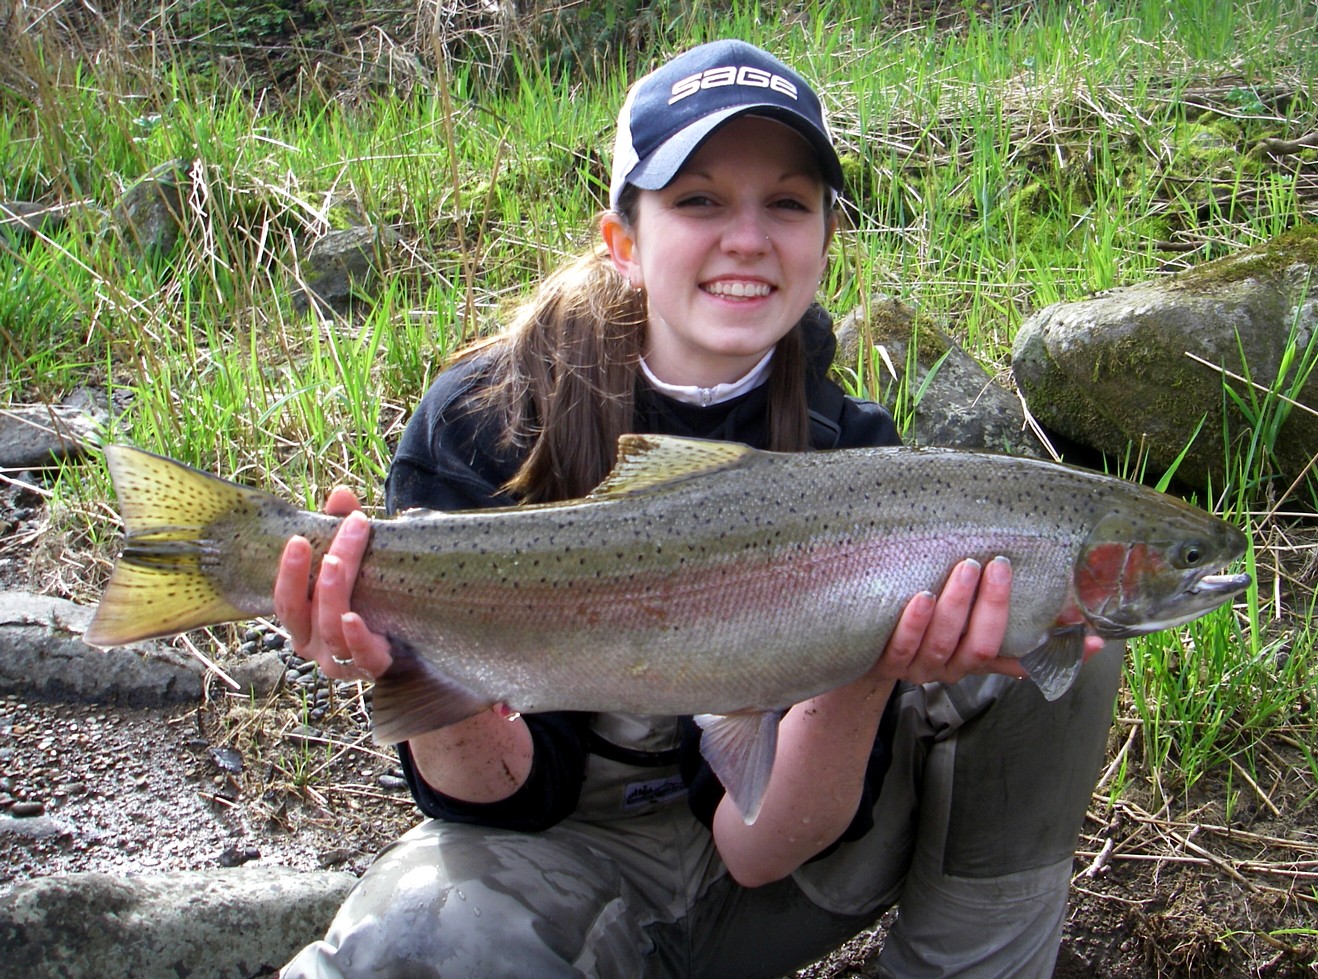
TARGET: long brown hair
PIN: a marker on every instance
(564, 377)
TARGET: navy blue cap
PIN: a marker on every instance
(671, 111)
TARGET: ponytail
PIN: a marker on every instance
(564, 378)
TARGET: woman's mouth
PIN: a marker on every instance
(738, 289)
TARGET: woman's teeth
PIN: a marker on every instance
(739, 290)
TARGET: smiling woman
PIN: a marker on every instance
(571, 843)
(733, 250)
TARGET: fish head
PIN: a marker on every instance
(1150, 566)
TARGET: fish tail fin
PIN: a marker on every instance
(413, 697)
(158, 586)
(740, 748)
(1055, 664)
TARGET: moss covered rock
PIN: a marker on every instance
(1152, 363)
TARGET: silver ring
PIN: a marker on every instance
(342, 662)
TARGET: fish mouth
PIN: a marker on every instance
(1220, 586)
(1197, 598)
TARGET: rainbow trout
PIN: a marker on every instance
(701, 578)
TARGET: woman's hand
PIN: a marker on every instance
(946, 637)
(317, 613)
(482, 759)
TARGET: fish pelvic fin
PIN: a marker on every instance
(158, 587)
(412, 697)
(1055, 664)
(740, 749)
(648, 462)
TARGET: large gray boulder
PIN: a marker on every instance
(23, 222)
(214, 924)
(1117, 368)
(34, 436)
(151, 215)
(42, 655)
(952, 399)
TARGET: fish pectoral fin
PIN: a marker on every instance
(647, 462)
(1055, 664)
(413, 697)
(740, 749)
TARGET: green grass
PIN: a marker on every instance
(994, 169)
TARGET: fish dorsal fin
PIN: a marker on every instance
(647, 462)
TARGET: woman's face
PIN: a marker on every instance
(730, 253)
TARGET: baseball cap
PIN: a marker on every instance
(670, 112)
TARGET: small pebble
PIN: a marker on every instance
(236, 856)
(331, 858)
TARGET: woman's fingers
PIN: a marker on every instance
(904, 643)
(318, 613)
(986, 627)
(293, 591)
(369, 650)
(332, 598)
(341, 502)
(952, 613)
(959, 631)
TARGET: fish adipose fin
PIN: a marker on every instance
(646, 462)
(412, 697)
(158, 588)
(740, 749)
(1055, 665)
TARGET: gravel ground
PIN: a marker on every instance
(96, 788)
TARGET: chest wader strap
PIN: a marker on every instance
(598, 745)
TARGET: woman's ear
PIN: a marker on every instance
(620, 240)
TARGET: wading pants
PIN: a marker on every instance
(974, 833)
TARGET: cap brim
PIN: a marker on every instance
(658, 169)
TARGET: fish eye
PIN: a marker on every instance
(1192, 554)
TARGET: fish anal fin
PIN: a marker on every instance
(1055, 664)
(412, 697)
(740, 749)
(647, 462)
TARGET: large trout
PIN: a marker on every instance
(700, 578)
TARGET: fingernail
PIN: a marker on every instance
(998, 570)
(969, 570)
(329, 570)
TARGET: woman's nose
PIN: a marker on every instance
(745, 234)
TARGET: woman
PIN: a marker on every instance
(601, 845)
